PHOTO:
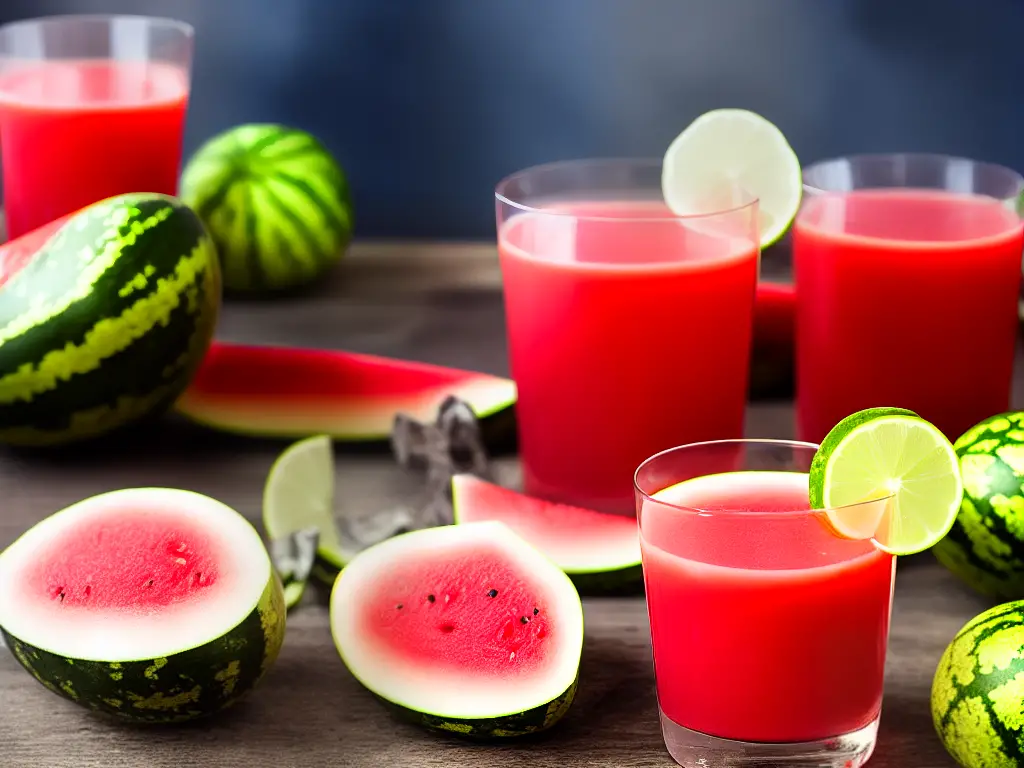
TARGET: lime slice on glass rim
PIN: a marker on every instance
(891, 453)
(726, 154)
(299, 496)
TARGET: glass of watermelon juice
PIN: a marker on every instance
(769, 631)
(629, 328)
(907, 271)
(90, 107)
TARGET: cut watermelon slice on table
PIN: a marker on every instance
(596, 550)
(290, 392)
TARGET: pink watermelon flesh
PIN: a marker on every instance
(469, 612)
(578, 540)
(293, 392)
(16, 254)
(127, 562)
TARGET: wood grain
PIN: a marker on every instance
(439, 303)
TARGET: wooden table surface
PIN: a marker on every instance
(438, 303)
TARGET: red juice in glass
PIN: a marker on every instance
(90, 107)
(629, 330)
(908, 297)
(766, 627)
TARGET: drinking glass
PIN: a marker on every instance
(769, 631)
(90, 107)
(908, 270)
(629, 328)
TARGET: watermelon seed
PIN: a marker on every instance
(88, 590)
(446, 628)
(524, 620)
(399, 606)
(493, 593)
(149, 583)
(536, 611)
(431, 598)
(60, 594)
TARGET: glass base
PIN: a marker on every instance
(692, 749)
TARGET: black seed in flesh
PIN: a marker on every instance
(399, 606)
(431, 598)
(536, 611)
(446, 628)
(524, 620)
(493, 593)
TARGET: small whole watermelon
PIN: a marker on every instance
(985, 547)
(276, 202)
(105, 316)
(978, 687)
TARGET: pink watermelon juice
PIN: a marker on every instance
(765, 626)
(75, 132)
(629, 331)
(902, 295)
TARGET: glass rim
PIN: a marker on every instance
(751, 200)
(930, 156)
(795, 513)
(159, 21)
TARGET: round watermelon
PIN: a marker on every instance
(105, 316)
(465, 629)
(978, 687)
(151, 605)
(276, 202)
(985, 547)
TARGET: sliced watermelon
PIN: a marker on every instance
(465, 629)
(16, 254)
(595, 549)
(287, 392)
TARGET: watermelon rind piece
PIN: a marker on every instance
(165, 666)
(276, 202)
(280, 392)
(597, 550)
(976, 690)
(432, 694)
(985, 546)
(107, 322)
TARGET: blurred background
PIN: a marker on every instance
(428, 103)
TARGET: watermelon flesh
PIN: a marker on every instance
(464, 628)
(289, 392)
(16, 254)
(142, 573)
(580, 541)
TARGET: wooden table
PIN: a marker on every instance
(439, 303)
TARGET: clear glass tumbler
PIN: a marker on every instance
(629, 328)
(769, 631)
(90, 107)
(908, 271)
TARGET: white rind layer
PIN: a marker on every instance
(417, 686)
(126, 635)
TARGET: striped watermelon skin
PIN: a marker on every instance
(978, 688)
(108, 321)
(193, 684)
(985, 547)
(276, 202)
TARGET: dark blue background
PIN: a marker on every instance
(428, 103)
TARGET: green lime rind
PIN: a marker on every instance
(903, 462)
(838, 433)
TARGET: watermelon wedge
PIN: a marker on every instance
(288, 392)
(596, 550)
(465, 629)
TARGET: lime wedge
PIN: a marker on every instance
(725, 153)
(299, 496)
(894, 454)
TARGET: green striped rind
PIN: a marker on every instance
(978, 688)
(276, 202)
(985, 547)
(188, 685)
(109, 321)
(510, 726)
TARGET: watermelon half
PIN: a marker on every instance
(596, 550)
(286, 392)
(148, 604)
(465, 629)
